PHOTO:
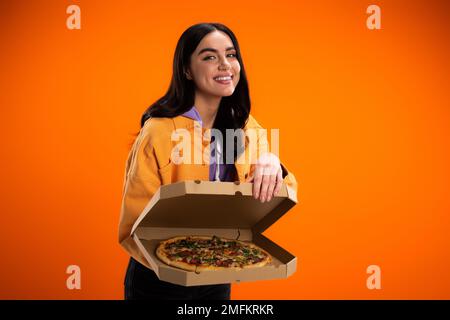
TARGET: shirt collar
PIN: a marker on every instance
(193, 114)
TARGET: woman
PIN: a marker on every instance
(208, 90)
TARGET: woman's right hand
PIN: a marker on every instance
(267, 178)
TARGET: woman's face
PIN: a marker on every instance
(214, 57)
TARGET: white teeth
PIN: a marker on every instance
(222, 78)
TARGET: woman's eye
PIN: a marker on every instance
(233, 55)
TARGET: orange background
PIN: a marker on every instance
(364, 119)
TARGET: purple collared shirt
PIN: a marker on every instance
(225, 170)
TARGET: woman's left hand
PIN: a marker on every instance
(267, 178)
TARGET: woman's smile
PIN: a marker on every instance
(224, 79)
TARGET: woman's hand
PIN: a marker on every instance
(267, 178)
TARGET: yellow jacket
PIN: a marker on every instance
(149, 166)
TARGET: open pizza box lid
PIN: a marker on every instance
(224, 209)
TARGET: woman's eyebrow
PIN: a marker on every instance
(214, 50)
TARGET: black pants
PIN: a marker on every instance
(143, 283)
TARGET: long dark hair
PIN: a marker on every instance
(233, 110)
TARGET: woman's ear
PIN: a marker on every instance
(188, 74)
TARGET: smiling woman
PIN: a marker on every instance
(208, 86)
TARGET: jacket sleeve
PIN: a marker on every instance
(140, 184)
(263, 144)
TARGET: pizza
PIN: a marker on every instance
(203, 253)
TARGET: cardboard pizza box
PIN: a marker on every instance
(225, 209)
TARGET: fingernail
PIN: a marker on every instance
(269, 198)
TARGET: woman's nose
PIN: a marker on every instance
(225, 65)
